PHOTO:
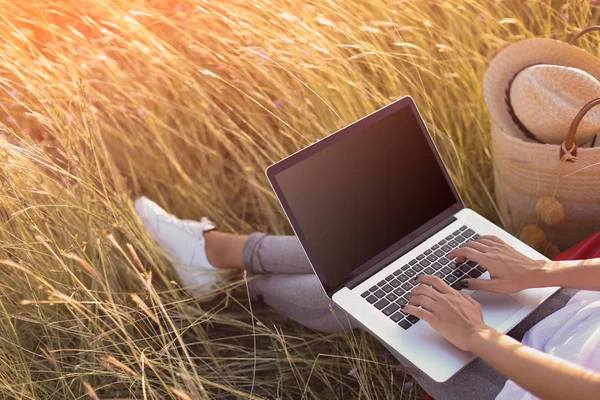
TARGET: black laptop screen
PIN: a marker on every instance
(363, 192)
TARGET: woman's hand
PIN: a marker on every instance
(455, 315)
(510, 270)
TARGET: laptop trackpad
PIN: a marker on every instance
(497, 308)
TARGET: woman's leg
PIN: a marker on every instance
(291, 287)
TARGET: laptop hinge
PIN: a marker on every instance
(351, 284)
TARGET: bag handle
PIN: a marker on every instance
(583, 32)
(568, 149)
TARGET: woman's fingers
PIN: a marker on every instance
(492, 238)
(435, 283)
(422, 301)
(422, 313)
(467, 252)
(425, 290)
(477, 245)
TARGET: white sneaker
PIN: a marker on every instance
(183, 241)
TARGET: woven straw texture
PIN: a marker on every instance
(525, 171)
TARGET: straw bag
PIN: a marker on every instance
(526, 172)
(548, 194)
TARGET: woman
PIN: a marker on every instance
(569, 339)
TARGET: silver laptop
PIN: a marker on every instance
(373, 206)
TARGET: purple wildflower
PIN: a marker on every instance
(10, 119)
(482, 17)
(353, 372)
(14, 93)
(71, 119)
(565, 17)
(277, 103)
(407, 386)
(178, 7)
(593, 2)
(143, 113)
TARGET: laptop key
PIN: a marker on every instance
(456, 232)
(456, 285)
(464, 237)
(391, 297)
(395, 283)
(446, 270)
(444, 261)
(396, 317)
(365, 294)
(389, 277)
(435, 247)
(474, 273)
(399, 292)
(448, 238)
(407, 286)
(381, 282)
(450, 278)
(374, 288)
(447, 248)
(464, 268)
(471, 263)
(431, 258)
(442, 242)
(439, 253)
(462, 228)
(381, 304)
(412, 319)
(439, 274)
(457, 273)
(420, 257)
(389, 310)
(372, 299)
(425, 263)
(453, 244)
(398, 272)
(379, 293)
(481, 269)
(410, 272)
(405, 324)
(436, 265)
(387, 288)
(429, 270)
(412, 262)
(469, 232)
(427, 252)
(475, 236)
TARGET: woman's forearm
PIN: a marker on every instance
(541, 374)
(583, 274)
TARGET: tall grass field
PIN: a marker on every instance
(187, 102)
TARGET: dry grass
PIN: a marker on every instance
(102, 101)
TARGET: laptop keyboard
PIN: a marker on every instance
(391, 293)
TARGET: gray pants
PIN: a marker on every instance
(289, 285)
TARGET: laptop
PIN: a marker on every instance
(373, 206)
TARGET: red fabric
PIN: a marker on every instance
(584, 250)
